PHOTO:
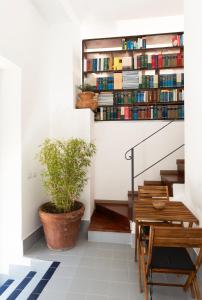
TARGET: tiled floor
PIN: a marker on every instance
(97, 271)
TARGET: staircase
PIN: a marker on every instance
(110, 219)
(169, 177)
(26, 281)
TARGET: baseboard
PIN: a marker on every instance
(84, 228)
(32, 239)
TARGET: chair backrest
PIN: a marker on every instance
(153, 191)
(170, 236)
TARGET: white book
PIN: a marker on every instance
(135, 61)
(155, 81)
(152, 112)
(140, 77)
(101, 113)
(179, 79)
(85, 65)
(122, 110)
(102, 64)
(174, 95)
(149, 59)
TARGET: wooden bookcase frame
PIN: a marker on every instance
(101, 41)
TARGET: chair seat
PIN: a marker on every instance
(171, 258)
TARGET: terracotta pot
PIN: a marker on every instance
(61, 230)
(86, 96)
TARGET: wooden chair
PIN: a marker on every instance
(149, 192)
(167, 253)
(153, 191)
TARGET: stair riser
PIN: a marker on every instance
(109, 237)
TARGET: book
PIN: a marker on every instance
(117, 63)
(118, 81)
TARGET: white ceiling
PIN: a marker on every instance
(52, 10)
(55, 11)
(125, 9)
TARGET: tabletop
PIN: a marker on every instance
(173, 211)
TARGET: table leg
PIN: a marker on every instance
(136, 238)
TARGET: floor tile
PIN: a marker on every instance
(98, 287)
(79, 286)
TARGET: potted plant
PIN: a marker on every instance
(64, 177)
(87, 98)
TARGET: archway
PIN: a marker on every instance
(10, 164)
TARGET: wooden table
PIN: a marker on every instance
(174, 211)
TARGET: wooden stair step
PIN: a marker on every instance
(103, 222)
(113, 207)
(168, 172)
(180, 161)
(172, 178)
(152, 182)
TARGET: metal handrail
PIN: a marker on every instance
(142, 141)
(158, 161)
(129, 155)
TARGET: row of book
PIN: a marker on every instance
(171, 80)
(133, 97)
(145, 61)
(139, 43)
(135, 80)
(155, 61)
(152, 112)
(105, 98)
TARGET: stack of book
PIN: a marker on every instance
(105, 98)
(172, 80)
(105, 83)
(130, 79)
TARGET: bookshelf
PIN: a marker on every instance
(137, 77)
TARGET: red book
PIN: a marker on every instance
(153, 62)
(140, 113)
(148, 112)
(160, 60)
(130, 113)
(126, 113)
(178, 40)
(179, 60)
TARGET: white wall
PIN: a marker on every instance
(113, 139)
(10, 163)
(193, 66)
(112, 171)
(107, 28)
(65, 70)
(23, 41)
